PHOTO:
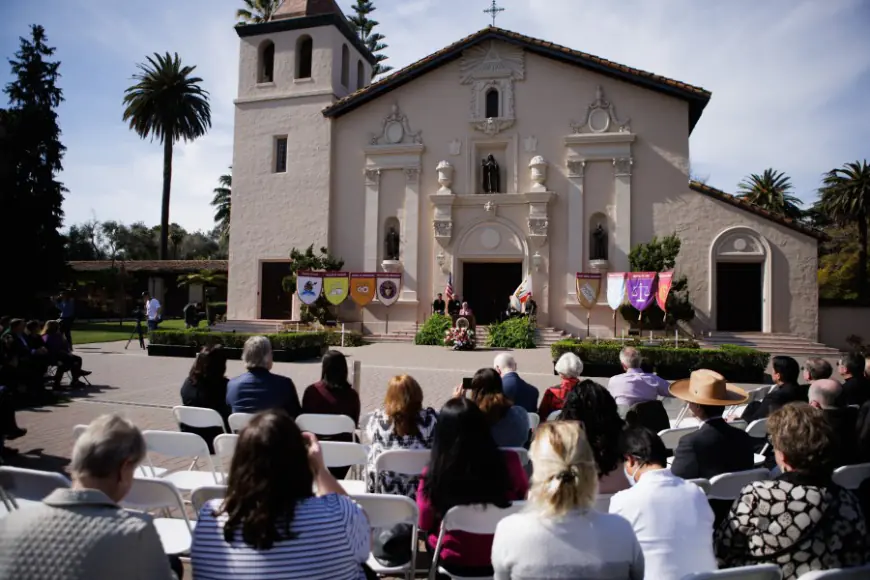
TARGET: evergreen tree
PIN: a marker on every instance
(364, 27)
(31, 197)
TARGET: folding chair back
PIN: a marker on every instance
(704, 484)
(175, 444)
(851, 476)
(728, 485)
(239, 421)
(534, 421)
(198, 417)
(521, 452)
(860, 573)
(78, 430)
(149, 494)
(404, 461)
(554, 415)
(224, 448)
(384, 512)
(201, 495)
(757, 429)
(671, 437)
(29, 485)
(757, 572)
(325, 424)
(343, 454)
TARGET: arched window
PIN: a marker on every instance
(360, 75)
(304, 54)
(266, 63)
(492, 103)
(345, 66)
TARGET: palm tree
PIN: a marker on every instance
(257, 11)
(168, 104)
(222, 201)
(771, 191)
(845, 197)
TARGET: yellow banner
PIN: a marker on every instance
(336, 286)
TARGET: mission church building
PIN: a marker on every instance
(496, 157)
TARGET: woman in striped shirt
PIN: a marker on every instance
(271, 526)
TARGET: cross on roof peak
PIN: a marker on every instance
(494, 11)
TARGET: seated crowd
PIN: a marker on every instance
(603, 497)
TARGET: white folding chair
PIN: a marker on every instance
(757, 572)
(345, 454)
(758, 430)
(149, 494)
(860, 573)
(144, 470)
(403, 461)
(602, 502)
(175, 444)
(200, 417)
(386, 511)
(522, 452)
(363, 426)
(851, 476)
(728, 485)
(224, 448)
(200, 495)
(474, 519)
(739, 424)
(554, 415)
(671, 437)
(239, 421)
(26, 487)
(704, 484)
(325, 424)
(534, 421)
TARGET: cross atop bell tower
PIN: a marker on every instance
(494, 11)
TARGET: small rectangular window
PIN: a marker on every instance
(280, 154)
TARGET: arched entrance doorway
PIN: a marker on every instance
(740, 281)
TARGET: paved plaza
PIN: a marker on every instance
(146, 388)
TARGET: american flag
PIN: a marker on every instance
(448, 290)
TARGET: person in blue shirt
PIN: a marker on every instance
(516, 389)
(67, 307)
(259, 389)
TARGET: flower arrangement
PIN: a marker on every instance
(459, 338)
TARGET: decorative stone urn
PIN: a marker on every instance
(391, 266)
(538, 166)
(445, 177)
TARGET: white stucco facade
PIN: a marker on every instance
(577, 143)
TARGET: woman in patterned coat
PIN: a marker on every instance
(800, 521)
(403, 423)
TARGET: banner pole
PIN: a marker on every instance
(614, 324)
(588, 314)
(387, 322)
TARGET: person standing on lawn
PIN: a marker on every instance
(67, 307)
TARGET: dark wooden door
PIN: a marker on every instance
(274, 302)
(487, 287)
(739, 297)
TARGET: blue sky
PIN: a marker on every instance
(790, 81)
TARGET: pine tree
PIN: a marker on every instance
(364, 27)
(31, 197)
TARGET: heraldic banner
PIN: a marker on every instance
(389, 285)
(615, 290)
(308, 286)
(362, 287)
(588, 289)
(665, 281)
(335, 287)
(641, 289)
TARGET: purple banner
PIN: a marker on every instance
(641, 289)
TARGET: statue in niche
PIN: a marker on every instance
(391, 244)
(598, 247)
(491, 178)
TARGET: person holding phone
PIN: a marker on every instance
(509, 423)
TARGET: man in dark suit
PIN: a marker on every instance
(438, 305)
(827, 395)
(856, 387)
(516, 389)
(786, 373)
(716, 447)
(259, 389)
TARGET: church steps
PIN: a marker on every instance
(776, 344)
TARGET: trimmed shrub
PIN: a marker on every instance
(333, 338)
(512, 333)
(433, 330)
(281, 341)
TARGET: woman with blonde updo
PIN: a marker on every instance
(571, 538)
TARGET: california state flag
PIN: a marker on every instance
(524, 291)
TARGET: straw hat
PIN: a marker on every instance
(706, 387)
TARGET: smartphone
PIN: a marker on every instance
(466, 386)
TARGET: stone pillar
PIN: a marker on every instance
(622, 197)
(576, 225)
(370, 229)
(411, 233)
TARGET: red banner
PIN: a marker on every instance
(665, 281)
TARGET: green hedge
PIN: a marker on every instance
(282, 341)
(736, 363)
(512, 333)
(433, 330)
(333, 338)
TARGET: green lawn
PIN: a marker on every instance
(86, 332)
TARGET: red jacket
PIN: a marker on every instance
(554, 398)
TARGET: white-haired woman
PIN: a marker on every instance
(260, 389)
(570, 368)
(82, 532)
(570, 538)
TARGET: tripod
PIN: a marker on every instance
(140, 331)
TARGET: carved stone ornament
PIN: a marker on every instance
(492, 60)
(489, 207)
(538, 226)
(601, 117)
(373, 176)
(622, 166)
(396, 130)
(455, 147)
(576, 168)
(538, 173)
(492, 127)
(443, 229)
(445, 176)
(412, 174)
(530, 144)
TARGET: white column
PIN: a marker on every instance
(411, 233)
(370, 230)
(576, 225)
(622, 195)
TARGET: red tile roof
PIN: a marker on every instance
(757, 210)
(297, 8)
(154, 266)
(696, 96)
